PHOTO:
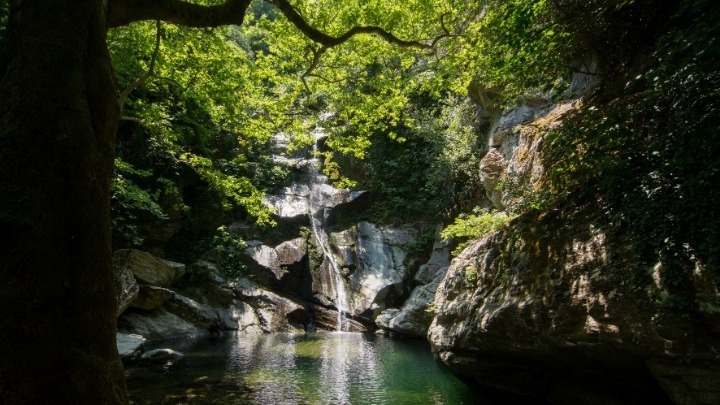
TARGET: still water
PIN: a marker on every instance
(322, 368)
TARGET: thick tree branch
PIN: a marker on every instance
(151, 70)
(124, 12)
(328, 41)
(232, 12)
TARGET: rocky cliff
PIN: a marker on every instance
(306, 274)
(559, 305)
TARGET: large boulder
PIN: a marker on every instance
(384, 261)
(126, 287)
(163, 357)
(416, 314)
(556, 306)
(157, 324)
(205, 284)
(273, 312)
(279, 266)
(438, 262)
(151, 297)
(201, 315)
(179, 269)
(145, 267)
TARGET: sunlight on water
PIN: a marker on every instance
(323, 368)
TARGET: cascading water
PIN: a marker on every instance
(318, 216)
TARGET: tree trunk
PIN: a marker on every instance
(58, 115)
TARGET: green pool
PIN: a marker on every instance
(322, 368)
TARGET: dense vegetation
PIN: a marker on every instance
(649, 156)
(402, 124)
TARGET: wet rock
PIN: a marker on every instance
(161, 356)
(326, 318)
(129, 346)
(291, 201)
(374, 268)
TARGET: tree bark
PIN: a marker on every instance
(58, 114)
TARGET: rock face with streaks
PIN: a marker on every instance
(415, 315)
(546, 307)
(558, 304)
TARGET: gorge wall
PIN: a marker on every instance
(559, 305)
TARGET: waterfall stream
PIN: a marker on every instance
(318, 216)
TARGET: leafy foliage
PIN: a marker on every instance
(473, 226)
(131, 204)
(650, 157)
(512, 47)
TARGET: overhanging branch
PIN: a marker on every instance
(329, 41)
(232, 12)
(151, 70)
(124, 12)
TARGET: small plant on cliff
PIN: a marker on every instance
(473, 226)
(470, 277)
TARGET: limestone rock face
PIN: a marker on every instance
(374, 266)
(382, 251)
(438, 262)
(271, 312)
(416, 314)
(545, 308)
(290, 201)
(145, 267)
(275, 266)
(512, 164)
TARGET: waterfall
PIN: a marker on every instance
(316, 206)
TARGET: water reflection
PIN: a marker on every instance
(325, 368)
